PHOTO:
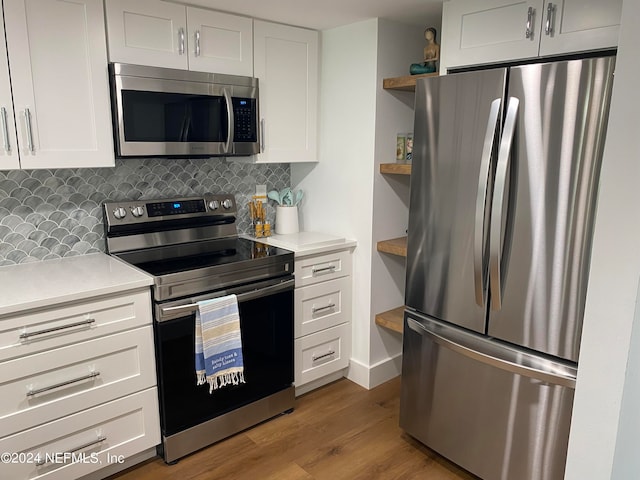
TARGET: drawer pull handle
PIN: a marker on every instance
(330, 268)
(330, 353)
(31, 393)
(320, 309)
(55, 329)
(45, 460)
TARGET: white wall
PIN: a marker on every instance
(398, 47)
(611, 298)
(338, 189)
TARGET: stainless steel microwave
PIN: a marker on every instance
(167, 112)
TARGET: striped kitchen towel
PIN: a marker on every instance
(218, 343)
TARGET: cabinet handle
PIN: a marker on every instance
(323, 269)
(5, 130)
(32, 393)
(44, 461)
(262, 125)
(320, 309)
(330, 353)
(89, 321)
(529, 32)
(548, 28)
(27, 118)
(181, 41)
(197, 43)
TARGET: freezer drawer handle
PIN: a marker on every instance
(32, 393)
(320, 309)
(506, 365)
(480, 264)
(497, 208)
(26, 335)
(44, 461)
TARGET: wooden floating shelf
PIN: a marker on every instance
(406, 83)
(395, 246)
(396, 168)
(392, 320)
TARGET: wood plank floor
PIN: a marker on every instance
(338, 432)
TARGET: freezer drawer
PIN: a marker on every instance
(499, 418)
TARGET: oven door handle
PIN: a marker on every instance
(191, 308)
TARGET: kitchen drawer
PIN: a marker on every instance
(322, 305)
(46, 329)
(48, 385)
(322, 353)
(89, 440)
(319, 268)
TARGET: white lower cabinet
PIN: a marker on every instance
(322, 318)
(84, 442)
(77, 386)
(322, 353)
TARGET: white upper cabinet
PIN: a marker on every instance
(58, 68)
(286, 64)
(164, 34)
(576, 25)
(487, 31)
(9, 152)
(219, 42)
(147, 32)
(476, 32)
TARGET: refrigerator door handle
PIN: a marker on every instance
(497, 208)
(479, 265)
(518, 363)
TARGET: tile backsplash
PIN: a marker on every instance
(48, 214)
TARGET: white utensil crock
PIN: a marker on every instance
(286, 219)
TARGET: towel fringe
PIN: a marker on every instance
(224, 379)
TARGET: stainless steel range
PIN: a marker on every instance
(191, 247)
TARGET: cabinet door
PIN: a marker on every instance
(490, 31)
(219, 42)
(147, 32)
(58, 56)
(9, 148)
(575, 25)
(286, 63)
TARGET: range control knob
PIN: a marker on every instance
(227, 203)
(137, 211)
(214, 204)
(119, 213)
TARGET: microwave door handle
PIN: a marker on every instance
(230, 121)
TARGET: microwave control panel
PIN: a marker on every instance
(246, 117)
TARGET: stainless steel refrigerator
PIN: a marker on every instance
(503, 197)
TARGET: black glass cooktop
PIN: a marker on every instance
(171, 259)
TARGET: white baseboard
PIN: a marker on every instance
(371, 376)
(307, 387)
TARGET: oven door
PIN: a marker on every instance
(162, 117)
(266, 323)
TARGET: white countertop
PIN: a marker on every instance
(307, 243)
(41, 284)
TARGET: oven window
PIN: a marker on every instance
(267, 344)
(173, 117)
